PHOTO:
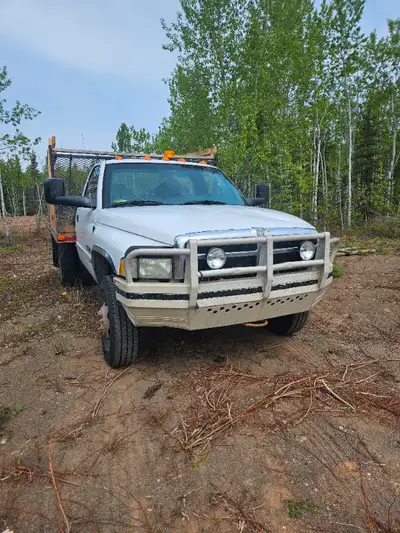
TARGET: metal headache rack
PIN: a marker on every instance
(74, 165)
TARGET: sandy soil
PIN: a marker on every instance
(231, 430)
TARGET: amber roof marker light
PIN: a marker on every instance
(169, 154)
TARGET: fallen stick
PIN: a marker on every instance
(307, 412)
(351, 251)
(365, 502)
(337, 396)
(58, 497)
(106, 389)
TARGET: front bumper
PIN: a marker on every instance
(274, 290)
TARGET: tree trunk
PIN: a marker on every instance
(393, 160)
(24, 202)
(339, 188)
(324, 189)
(7, 232)
(3, 204)
(350, 159)
(317, 145)
(14, 202)
(39, 212)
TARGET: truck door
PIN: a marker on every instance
(84, 223)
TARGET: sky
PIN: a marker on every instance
(89, 65)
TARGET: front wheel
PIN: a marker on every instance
(288, 325)
(119, 337)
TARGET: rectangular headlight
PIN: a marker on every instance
(152, 268)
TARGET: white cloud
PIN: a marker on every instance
(122, 37)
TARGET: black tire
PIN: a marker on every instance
(54, 252)
(121, 342)
(84, 276)
(68, 263)
(288, 325)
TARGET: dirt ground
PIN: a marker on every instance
(231, 430)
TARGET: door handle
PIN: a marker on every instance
(77, 218)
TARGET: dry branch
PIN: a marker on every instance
(220, 416)
(96, 408)
(355, 251)
(58, 496)
(238, 509)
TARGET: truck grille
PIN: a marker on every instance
(240, 255)
(245, 255)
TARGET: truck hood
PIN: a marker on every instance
(163, 223)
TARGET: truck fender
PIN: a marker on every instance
(102, 262)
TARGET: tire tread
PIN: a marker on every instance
(288, 325)
(124, 337)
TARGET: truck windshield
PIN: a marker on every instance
(157, 183)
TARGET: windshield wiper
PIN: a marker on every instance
(205, 202)
(136, 202)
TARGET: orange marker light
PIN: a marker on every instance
(203, 163)
(61, 238)
(165, 158)
(182, 160)
(118, 158)
(147, 158)
(169, 153)
(122, 267)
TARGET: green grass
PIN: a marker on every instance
(11, 412)
(10, 250)
(12, 283)
(8, 413)
(337, 271)
(297, 508)
(60, 349)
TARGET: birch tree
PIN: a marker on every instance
(12, 142)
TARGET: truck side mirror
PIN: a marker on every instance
(53, 188)
(254, 202)
(54, 193)
(262, 191)
(76, 201)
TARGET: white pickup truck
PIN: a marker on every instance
(173, 243)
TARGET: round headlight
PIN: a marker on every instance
(216, 258)
(307, 250)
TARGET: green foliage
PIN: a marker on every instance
(16, 191)
(337, 271)
(291, 95)
(130, 140)
(297, 508)
(8, 413)
(11, 118)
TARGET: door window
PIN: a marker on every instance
(91, 185)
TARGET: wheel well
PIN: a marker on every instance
(101, 266)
